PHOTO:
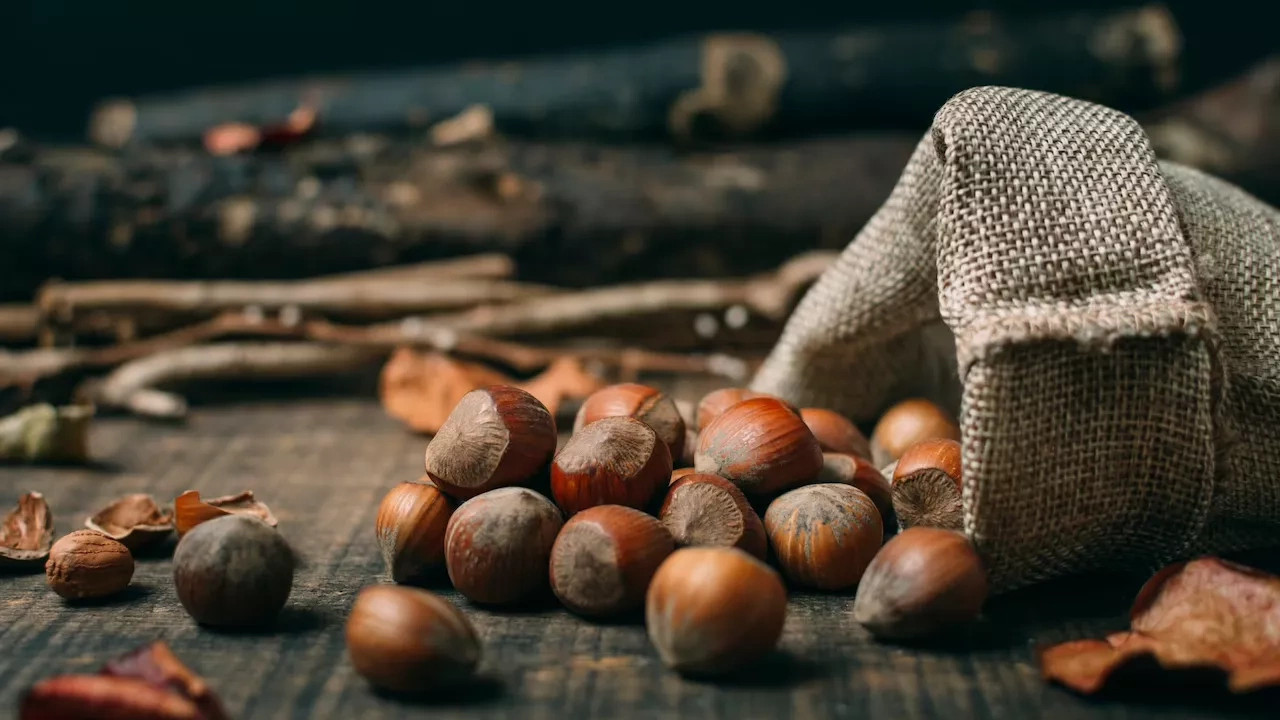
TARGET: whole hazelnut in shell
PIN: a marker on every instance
(707, 510)
(613, 461)
(761, 446)
(928, 486)
(835, 432)
(234, 571)
(498, 546)
(604, 558)
(86, 564)
(924, 581)
(860, 473)
(907, 423)
(405, 639)
(717, 401)
(410, 529)
(712, 610)
(648, 405)
(824, 536)
(495, 437)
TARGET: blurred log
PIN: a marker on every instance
(725, 85)
(569, 214)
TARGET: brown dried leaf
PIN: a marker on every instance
(1204, 616)
(189, 510)
(135, 520)
(420, 389)
(157, 665)
(27, 533)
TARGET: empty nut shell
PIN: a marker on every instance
(135, 520)
(604, 558)
(27, 534)
(824, 536)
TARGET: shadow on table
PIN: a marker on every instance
(480, 690)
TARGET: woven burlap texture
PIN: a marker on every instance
(1106, 326)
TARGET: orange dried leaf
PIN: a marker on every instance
(1205, 616)
(189, 510)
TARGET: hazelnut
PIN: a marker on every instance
(702, 509)
(495, 437)
(924, 581)
(761, 446)
(233, 571)
(410, 528)
(677, 474)
(614, 461)
(824, 536)
(498, 545)
(835, 432)
(648, 405)
(907, 423)
(860, 473)
(604, 558)
(927, 486)
(712, 610)
(405, 639)
(716, 402)
(87, 564)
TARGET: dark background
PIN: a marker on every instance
(63, 55)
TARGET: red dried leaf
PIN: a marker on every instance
(1208, 616)
(157, 665)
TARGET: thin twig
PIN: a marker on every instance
(484, 266)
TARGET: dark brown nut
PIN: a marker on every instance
(614, 461)
(710, 611)
(707, 510)
(860, 473)
(761, 446)
(410, 528)
(135, 520)
(27, 534)
(824, 536)
(405, 639)
(498, 546)
(716, 402)
(604, 558)
(91, 697)
(495, 437)
(87, 564)
(835, 432)
(233, 572)
(907, 423)
(924, 581)
(648, 405)
(189, 510)
(927, 486)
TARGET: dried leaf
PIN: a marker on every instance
(27, 533)
(1207, 616)
(135, 520)
(189, 510)
(157, 665)
(421, 388)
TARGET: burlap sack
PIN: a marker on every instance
(1109, 335)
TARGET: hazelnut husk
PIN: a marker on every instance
(405, 639)
(648, 405)
(498, 546)
(714, 403)
(86, 565)
(27, 534)
(928, 486)
(189, 510)
(410, 528)
(707, 510)
(497, 436)
(233, 572)
(613, 461)
(604, 558)
(824, 536)
(761, 446)
(860, 473)
(835, 432)
(907, 423)
(712, 610)
(135, 520)
(924, 581)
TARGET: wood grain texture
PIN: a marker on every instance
(323, 466)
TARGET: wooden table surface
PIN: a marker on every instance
(323, 465)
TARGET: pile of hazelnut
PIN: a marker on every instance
(637, 512)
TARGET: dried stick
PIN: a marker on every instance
(484, 266)
(18, 323)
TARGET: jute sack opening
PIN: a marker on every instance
(1106, 326)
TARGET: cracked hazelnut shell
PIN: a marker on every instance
(189, 510)
(604, 558)
(27, 534)
(613, 461)
(824, 536)
(646, 404)
(761, 446)
(135, 520)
